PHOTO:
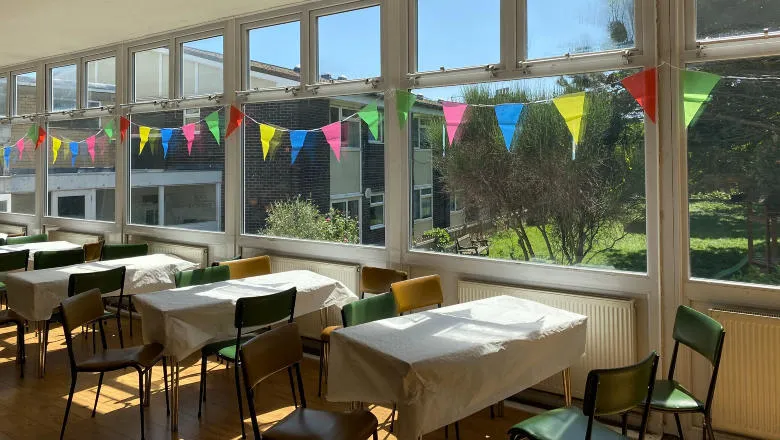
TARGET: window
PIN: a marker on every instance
(376, 213)
(179, 189)
(25, 98)
(362, 57)
(380, 139)
(275, 56)
(724, 18)
(101, 82)
(3, 96)
(201, 67)
(62, 88)
(150, 74)
(535, 202)
(471, 27)
(17, 184)
(579, 26)
(318, 196)
(82, 169)
(422, 126)
(734, 175)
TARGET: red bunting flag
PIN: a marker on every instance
(41, 137)
(236, 118)
(642, 87)
(124, 125)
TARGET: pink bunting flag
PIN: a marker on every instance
(20, 147)
(453, 115)
(332, 134)
(189, 134)
(91, 147)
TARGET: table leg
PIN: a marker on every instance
(500, 409)
(566, 376)
(147, 390)
(323, 317)
(39, 330)
(174, 383)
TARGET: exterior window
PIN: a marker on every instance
(723, 18)
(734, 175)
(17, 185)
(348, 208)
(150, 74)
(422, 203)
(3, 96)
(376, 213)
(580, 26)
(202, 67)
(101, 82)
(423, 127)
(361, 60)
(280, 67)
(25, 99)
(381, 132)
(350, 128)
(62, 86)
(455, 203)
(477, 35)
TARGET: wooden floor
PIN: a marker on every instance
(33, 408)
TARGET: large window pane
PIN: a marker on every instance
(63, 88)
(734, 175)
(78, 185)
(17, 183)
(349, 45)
(457, 33)
(275, 56)
(182, 189)
(535, 203)
(559, 27)
(25, 102)
(201, 68)
(318, 197)
(727, 18)
(150, 71)
(101, 82)
(3, 96)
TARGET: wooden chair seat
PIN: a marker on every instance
(312, 424)
(144, 356)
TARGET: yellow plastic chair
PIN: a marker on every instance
(418, 293)
(248, 267)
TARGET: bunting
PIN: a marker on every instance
(697, 87)
(236, 118)
(212, 120)
(332, 134)
(572, 108)
(507, 116)
(109, 129)
(189, 134)
(643, 87)
(165, 137)
(297, 139)
(124, 125)
(91, 148)
(56, 143)
(6, 156)
(20, 147)
(370, 115)
(74, 151)
(41, 137)
(404, 102)
(267, 133)
(143, 135)
(453, 116)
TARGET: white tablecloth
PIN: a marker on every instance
(443, 365)
(37, 247)
(186, 319)
(34, 294)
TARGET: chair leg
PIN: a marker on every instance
(165, 381)
(392, 418)
(376, 435)
(679, 426)
(119, 330)
(710, 433)
(457, 431)
(45, 347)
(322, 362)
(446, 431)
(492, 413)
(202, 394)
(94, 343)
(20, 354)
(292, 386)
(67, 405)
(240, 406)
(97, 394)
(130, 310)
(141, 406)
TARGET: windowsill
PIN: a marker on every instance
(457, 211)
(420, 220)
(373, 142)
(375, 227)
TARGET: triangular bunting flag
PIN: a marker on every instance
(124, 125)
(32, 132)
(212, 120)
(297, 139)
(7, 156)
(236, 118)
(109, 129)
(55, 149)
(41, 137)
(332, 134)
(20, 147)
(267, 133)
(91, 147)
(165, 137)
(143, 135)
(189, 134)
(507, 116)
(404, 102)
(643, 87)
(572, 108)
(453, 116)
(696, 91)
(370, 115)
(74, 151)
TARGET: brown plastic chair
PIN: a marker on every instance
(86, 308)
(248, 267)
(280, 349)
(92, 251)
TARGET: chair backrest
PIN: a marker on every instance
(270, 352)
(378, 280)
(196, 277)
(248, 267)
(117, 251)
(51, 259)
(699, 332)
(14, 260)
(27, 239)
(265, 310)
(618, 390)
(369, 309)
(106, 281)
(93, 251)
(79, 310)
(417, 293)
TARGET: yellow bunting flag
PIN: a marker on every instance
(572, 108)
(55, 148)
(267, 133)
(143, 134)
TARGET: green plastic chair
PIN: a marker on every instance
(117, 251)
(11, 261)
(106, 281)
(39, 238)
(197, 277)
(607, 392)
(52, 259)
(257, 311)
(369, 309)
(703, 335)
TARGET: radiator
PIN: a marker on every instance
(747, 397)
(10, 229)
(611, 333)
(196, 254)
(73, 237)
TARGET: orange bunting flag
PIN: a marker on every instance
(124, 125)
(643, 87)
(41, 137)
(236, 118)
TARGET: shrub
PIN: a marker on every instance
(300, 218)
(442, 242)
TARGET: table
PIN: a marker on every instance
(186, 319)
(442, 365)
(35, 294)
(38, 247)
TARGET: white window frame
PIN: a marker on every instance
(84, 78)
(372, 204)
(50, 84)
(5, 105)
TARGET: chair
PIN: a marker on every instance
(258, 311)
(27, 239)
(196, 277)
(247, 267)
(8, 316)
(705, 336)
(52, 259)
(377, 280)
(609, 391)
(105, 281)
(12, 261)
(280, 349)
(84, 309)
(92, 251)
(418, 293)
(117, 251)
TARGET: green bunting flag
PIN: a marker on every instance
(404, 100)
(109, 129)
(696, 92)
(32, 133)
(212, 120)
(370, 115)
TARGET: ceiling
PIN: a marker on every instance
(35, 29)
